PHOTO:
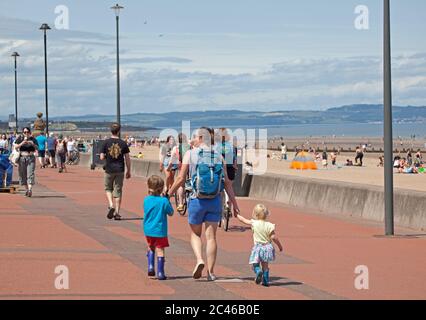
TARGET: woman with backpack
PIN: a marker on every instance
(207, 170)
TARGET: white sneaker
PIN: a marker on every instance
(211, 277)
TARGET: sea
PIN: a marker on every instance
(373, 130)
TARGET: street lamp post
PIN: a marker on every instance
(46, 27)
(16, 55)
(388, 138)
(117, 9)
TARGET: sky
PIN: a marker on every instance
(209, 55)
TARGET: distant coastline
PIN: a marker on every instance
(353, 120)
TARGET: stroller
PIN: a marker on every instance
(74, 158)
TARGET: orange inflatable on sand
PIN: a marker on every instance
(303, 161)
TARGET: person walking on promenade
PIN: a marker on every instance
(156, 210)
(263, 251)
(229, 153)
(51, 150)
(41, 140)
(27, 146)
(61, 153)
(206, 169)
(71, 148)
(178, 152)
(166, 164)
(4, 144)
(11, 140)
(116, 153)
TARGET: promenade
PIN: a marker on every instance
(64, 223)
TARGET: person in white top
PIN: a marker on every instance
(70, 147)
(263, 251)
(4, 144)
(283, 151)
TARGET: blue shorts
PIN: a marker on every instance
(166, 162)
(204, 210)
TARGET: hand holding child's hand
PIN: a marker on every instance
(236, 211)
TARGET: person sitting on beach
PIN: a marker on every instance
(406, 168)
(401, 165)
(349, 163)
(396, 161)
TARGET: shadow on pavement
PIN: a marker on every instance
(238, 229)
(47, 197)
(277, 281)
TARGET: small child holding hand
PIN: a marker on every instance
(263, 251)
(156, 210)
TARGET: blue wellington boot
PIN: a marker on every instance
(161, 261)
(265, 281)
(151, 263)
(258, 271)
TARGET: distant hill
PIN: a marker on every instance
(345, 114)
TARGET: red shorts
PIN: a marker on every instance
(154, 242)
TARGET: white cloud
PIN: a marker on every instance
(82, 78)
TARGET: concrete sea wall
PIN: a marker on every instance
(355, 200)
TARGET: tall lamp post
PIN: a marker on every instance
(45, 27)
(388, 136)
(117, 9)
(15, 55)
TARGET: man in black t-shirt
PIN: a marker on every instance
(117, 155)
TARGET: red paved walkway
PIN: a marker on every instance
(65, 224)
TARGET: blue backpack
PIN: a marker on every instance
(208, 178)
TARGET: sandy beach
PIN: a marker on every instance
(369, 174)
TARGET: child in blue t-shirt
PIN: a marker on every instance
(156, 209)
